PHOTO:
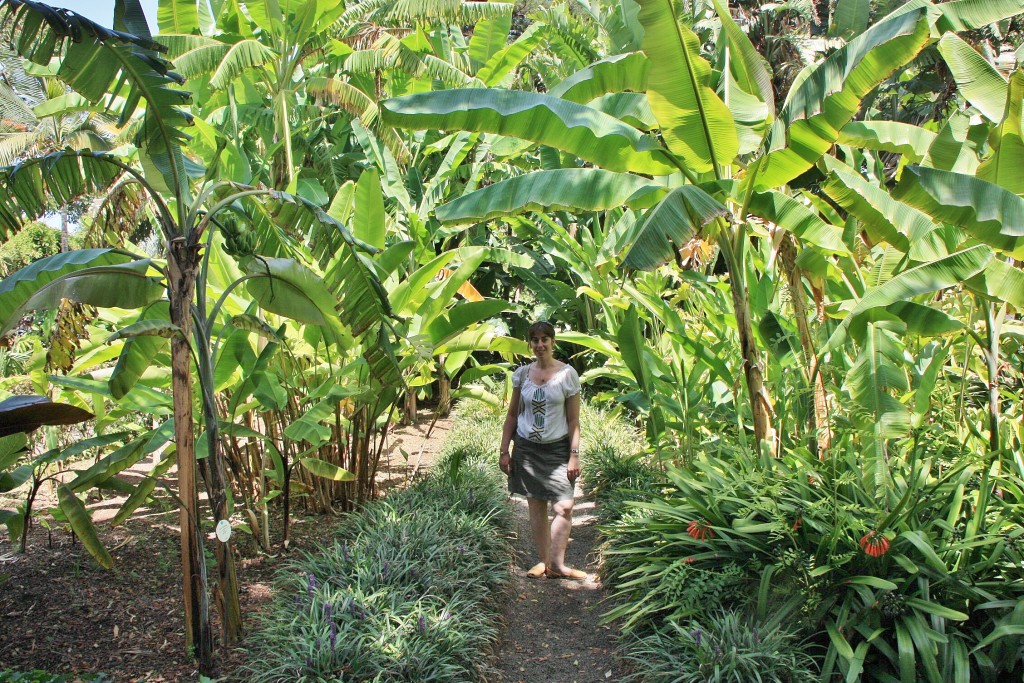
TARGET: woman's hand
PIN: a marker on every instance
(504, 462)
(574, 467)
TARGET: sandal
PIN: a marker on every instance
(536, 571)
(571, 575)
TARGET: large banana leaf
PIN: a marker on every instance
(907, 139)
(489, 36)
(988, 212)
(289, 289)
(98, 62)
(828, 95)
(570, 127)
(368, 224)
(81, 523)
(631, 107)
(31, 188)
(967, 15)
(791, 214)
(747, 67)
(850, 17)
(876, 375)
(1004, 166)
(510, 57)
(884, 219)
(27, 413)
(695, 124)
(976, 78)
(461, 316)
(666, 228)
(615, 74)
(101, 277)
(583, 189)
(177, 16)
(139, 352)
(929, 277)
(1000, 281)
(361, 301)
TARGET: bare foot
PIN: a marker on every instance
(570, 574)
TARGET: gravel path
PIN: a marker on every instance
(552, 632)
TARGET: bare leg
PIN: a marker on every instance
(560, 527)
(541, 528)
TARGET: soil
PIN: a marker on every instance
(62, 613)
(553, 631)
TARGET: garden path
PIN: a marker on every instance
(552, 632)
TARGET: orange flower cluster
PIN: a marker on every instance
(874, 544)
(700, 530)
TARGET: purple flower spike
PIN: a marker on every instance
(310, 584)
(423, 624)
(696, 634)
(334, 636)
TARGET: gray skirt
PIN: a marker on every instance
(540, 470)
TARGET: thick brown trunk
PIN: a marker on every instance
(822, 428)
(760, 406)
(215, 477)
(181, 264)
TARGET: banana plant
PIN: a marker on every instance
(125, 67)
(706, 140)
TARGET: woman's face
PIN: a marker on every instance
(541, 344)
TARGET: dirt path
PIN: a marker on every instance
(552, 632)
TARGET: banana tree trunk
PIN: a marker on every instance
(996, 313)
(215, 477)
(444, 389)
(182, 265)
(822, 429)
(409, 406)
(65, 239)
(214, 474)
(760, 406)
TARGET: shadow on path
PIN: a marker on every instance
(552, 632)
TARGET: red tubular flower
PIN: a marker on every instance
(700, 530)
(874, 544)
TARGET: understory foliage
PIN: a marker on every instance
(915, 576)
(409, 591)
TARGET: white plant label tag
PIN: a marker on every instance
(223, 530)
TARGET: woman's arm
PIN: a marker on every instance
(508, 430)
(572, 419)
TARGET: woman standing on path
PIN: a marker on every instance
(544, 418)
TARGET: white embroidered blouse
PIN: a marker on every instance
(542, 406)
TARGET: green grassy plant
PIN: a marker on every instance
(410, 591)
(723, 647)
(914, 575)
